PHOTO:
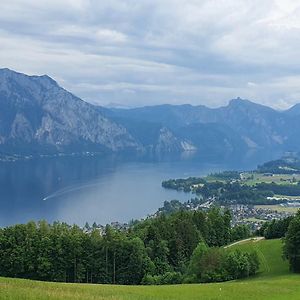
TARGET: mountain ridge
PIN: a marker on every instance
(37, 116)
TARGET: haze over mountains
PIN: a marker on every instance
(37, 116)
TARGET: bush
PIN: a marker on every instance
(215, 265)
(167, 278)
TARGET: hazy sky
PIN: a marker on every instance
(147, 52)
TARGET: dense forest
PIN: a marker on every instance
(180, 247)
(275, 229)
(280, 189)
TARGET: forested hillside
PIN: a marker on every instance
(272, 282)
(165, 249)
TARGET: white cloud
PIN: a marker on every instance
(250, 84)
(91, 33)
(154, 51)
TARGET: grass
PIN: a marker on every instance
(273, 282)
(277, 178)
(287, 197)
(270, 252)
(286, 287)
(279, 208)
(254, 220)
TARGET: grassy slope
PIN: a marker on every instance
(279, 208)
(273, 282)
(270, 254)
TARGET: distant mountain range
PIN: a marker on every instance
(37, 116)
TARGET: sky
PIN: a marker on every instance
(145, 52)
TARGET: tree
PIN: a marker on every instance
(292, 244)
(215, 264)
(276, 228)
(158, 250)
(237, 265)
(254, 262)
(239, 232)
(195, 265)
(185, 239)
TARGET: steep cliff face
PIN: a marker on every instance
(168, 142)
(36, 114)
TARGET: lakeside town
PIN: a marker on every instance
(250, 215)
(271, 192)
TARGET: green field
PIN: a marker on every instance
(277, 178)
(279, 208)
(273, 282)
(290, 198)
(270, 254)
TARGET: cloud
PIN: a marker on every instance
(151, 51)
(90, 34)
(251, 84)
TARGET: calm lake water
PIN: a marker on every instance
(103, 190)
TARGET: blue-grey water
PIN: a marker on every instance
(100, 189)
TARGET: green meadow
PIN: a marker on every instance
(272, 263)
(255, 178)
(272, 282)
(279, 208)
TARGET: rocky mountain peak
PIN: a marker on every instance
(38, 115)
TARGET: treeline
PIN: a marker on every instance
(280, 189)
(275, 229)
(281, 166)
(225, 175)
(182, 184)
(212, 265)
(232, 192)
(235, 193)
(160, 249)
(172, 206)
(190, 184)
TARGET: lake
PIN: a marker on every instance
(100, 189)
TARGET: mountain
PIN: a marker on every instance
(240, 125)
(37, 116)
(259, 126)
(294, 110)
(173, 116)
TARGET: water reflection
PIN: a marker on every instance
(76, 190)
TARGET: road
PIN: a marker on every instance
(254, 239)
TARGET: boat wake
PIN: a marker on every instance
(70, 189)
